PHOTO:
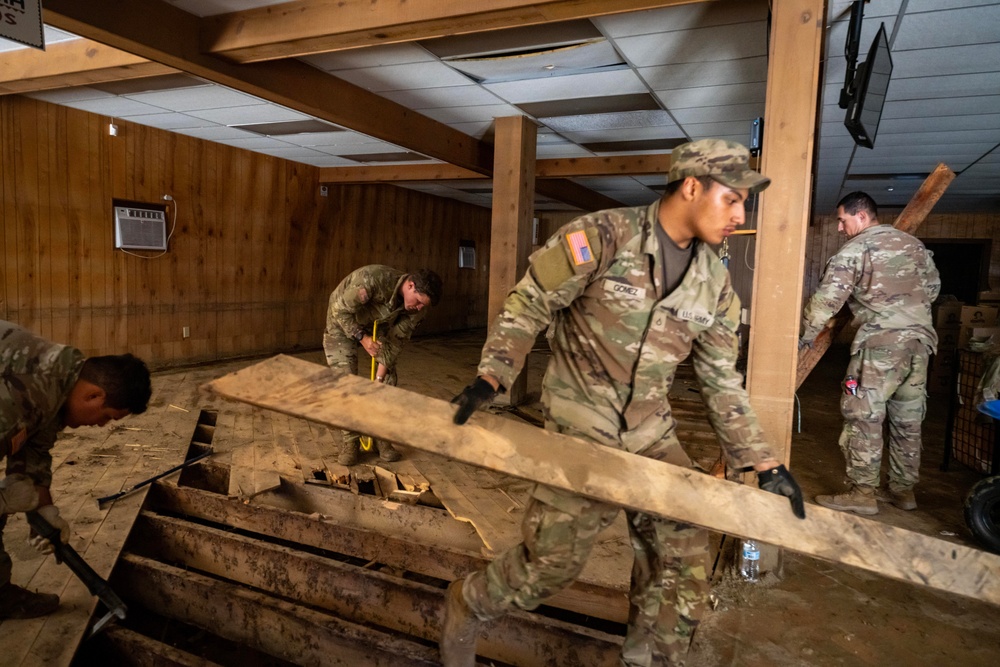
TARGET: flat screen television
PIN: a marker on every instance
(864, 111)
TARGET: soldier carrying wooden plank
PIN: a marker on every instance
(627, 294)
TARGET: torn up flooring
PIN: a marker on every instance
(270, 553)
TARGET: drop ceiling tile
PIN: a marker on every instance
(945, 62)
(167, 121)
(291, 152)
(598, 84)
(216, 133)
(954, 86)
(625, 134)
(713, 73)
(320, 139)
(682, 17)
(327, 161)
(114, 106)
(404, 77)
(708, 130)
(245, 115)
(948, 27)
(196, 98)
(475, 129)
(372, 147)
(719, 114)
(372, 56)
(687, 98)
(555, 151)
(254, 143)
(472, 114)
(66, 96)
(50, 36)
(607, 121)
(446, 96)
(727, 42)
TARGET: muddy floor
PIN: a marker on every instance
(815, 613)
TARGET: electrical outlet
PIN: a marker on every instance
(745, 316)
(186, 332)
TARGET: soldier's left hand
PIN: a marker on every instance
(779, 480)
(51, 514)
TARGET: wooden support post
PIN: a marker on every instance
(916, 211)
(789, 116)
(310, 391)
(513, 210)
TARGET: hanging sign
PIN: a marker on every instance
(21, 21)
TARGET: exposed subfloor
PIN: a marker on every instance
(816, 613)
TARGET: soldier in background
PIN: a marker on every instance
(889, 280)
(626, 294)
(44, 388)
(398, 302)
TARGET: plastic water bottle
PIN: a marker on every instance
(750, 560)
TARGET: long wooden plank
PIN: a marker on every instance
(916, 211)
(282, 629)
(132, 648)
(310, 391)
(312, 26)
(370, 597)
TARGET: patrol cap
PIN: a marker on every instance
(728, 162)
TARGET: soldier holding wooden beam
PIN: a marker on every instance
(627, 294)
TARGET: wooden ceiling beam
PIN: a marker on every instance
(163, 33)
(612, 165)
(305, 27)
(77, 62)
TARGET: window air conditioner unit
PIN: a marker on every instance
(140, 227)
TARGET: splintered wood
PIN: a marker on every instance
(310, 391)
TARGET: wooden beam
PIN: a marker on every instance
(916, 211)
(613, 165)
(417, 539)
(314, 26)
(131, 648)
(77, 62)
(291, 83)
(513, 209)
(275, 627)
(790, 113)
(924, 199)
(310, 391)
(367, 597)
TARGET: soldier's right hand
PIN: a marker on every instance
(51, 514)
(473, 396)
(17, 494)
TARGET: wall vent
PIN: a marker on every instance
(140, 226)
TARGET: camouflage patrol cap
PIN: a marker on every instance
(728, 162)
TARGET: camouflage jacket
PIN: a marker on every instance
(36, 377)
(617, 340)
(369, 294)
(889, 280)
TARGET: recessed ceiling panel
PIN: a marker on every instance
(626, 146)
(309, 126)
(727, 42)
(609, 121)
(555, 151)
(714, 73)
(196, 98)
(626, 134)
(399, 156)
(217, 133)
(513, 40)
(373, 56)
(718, 114)
(687, 98)
(404, 77)
(245, 115)
(618, 82)
(471, 114)
(167, 121)
(595, 55)
(683, 17)
(447, 96)
(582, 106)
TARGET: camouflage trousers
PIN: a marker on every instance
(669, 588)
(892, 383)
(342, 358)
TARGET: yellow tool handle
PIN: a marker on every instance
(366, 442)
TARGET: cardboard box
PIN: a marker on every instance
(948, 315)
(979, 316)
(979, 333)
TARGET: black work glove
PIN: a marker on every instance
(476, 394)
(779, 480)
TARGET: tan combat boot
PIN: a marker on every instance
(459, 629)
(386, 451)
(17, 602)
(860, 500)
(348, 453)
(904, 500)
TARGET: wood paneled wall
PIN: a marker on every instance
(824, 240)
(252, 260)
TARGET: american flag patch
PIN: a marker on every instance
(580, 247)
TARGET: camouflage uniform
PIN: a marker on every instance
(889, 280)
(36, 377)
(616, 341)
(369, 294)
